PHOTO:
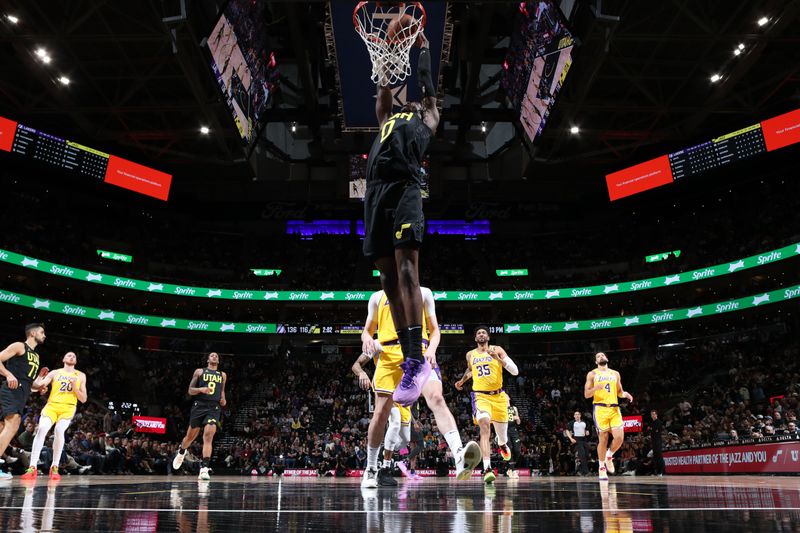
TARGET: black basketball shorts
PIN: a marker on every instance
(13, 401)
(204, 413)
(393, 217)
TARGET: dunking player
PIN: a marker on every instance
(485, 366)
(69, 386)
(393, 220)
(604, 386)
(208, 384)
(388, 374)
(19, 364)
(398, 432)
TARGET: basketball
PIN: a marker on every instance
(401, 28)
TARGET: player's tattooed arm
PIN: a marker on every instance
(194, 390)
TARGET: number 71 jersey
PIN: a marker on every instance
(487, 372)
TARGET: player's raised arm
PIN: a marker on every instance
(425, 77)
(383, 104)
(508, 364)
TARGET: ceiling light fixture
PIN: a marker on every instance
(294, 127)
(762, 21)
(715, 78)
(41, 52)
(736, 51)
(483, 127)
(64, 80)
(574, 130)
(741, 46)
(204, 130)
(12, 19)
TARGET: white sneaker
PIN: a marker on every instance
(603, 474)
(370, 479)
(5, 475)
(204, 475)
(610, 462)
(178, 461)
(467, 458)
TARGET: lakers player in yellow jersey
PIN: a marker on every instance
(485, 366)
(604, 386)
(68, 388)
(387, 378)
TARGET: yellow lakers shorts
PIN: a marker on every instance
(58, 411)
(387, 370)
(493, 405)
(405, 414)
(606, 418)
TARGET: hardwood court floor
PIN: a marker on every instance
(433, 505)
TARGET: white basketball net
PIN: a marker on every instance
(390, 63)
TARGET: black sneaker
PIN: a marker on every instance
(385, 478)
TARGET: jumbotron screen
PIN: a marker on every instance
(765, 136)
(538, 60)
(243, 65)
(46, 148)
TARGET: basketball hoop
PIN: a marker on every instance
(389, 54)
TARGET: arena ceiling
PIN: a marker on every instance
(141, 84)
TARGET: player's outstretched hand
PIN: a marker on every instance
(364, 382)
(628, 396)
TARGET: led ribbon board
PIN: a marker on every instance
(106, 315)
(780, 254)
(672, 315)
(760, 138)
(23, 300)
(69, 155)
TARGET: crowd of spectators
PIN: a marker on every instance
(296, 410)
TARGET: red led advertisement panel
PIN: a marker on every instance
(139, 178)
(756, 458)
(149, 424)
(638, 178)
(7, 130)
(782, 130)
(632, 424)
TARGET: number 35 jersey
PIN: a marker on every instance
(487, 372)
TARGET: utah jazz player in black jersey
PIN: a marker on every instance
(208, 386)
(19, 364)
(393, 219)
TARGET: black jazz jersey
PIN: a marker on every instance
(213, 380)
(25, 367)
(398, 149)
